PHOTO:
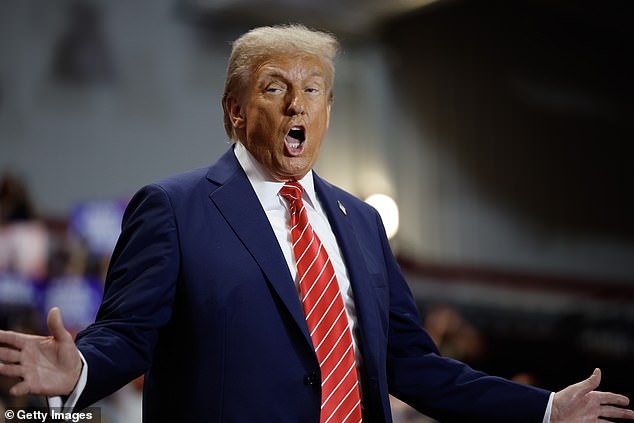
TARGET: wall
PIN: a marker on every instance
(157, 113)
(511, 133)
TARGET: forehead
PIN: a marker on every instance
(291, 67)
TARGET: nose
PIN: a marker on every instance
(296, 105)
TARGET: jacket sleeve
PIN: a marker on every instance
(440, 387)
(138, 296)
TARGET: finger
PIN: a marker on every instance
(56, 326)
(9, 355)
(591, 383)
(611, 412)
(19, 389)
(12, 338)
(13, 370)
(608, 398)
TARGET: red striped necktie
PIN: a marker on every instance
(325, 316)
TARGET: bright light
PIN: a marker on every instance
(388, 210)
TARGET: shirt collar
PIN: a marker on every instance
(265, 187)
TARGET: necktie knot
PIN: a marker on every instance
(292, 193)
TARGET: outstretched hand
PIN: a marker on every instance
(580, 403)
(46, 365)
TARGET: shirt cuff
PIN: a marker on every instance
(57, 402)
(549, 408)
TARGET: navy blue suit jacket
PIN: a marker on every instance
(200, 299)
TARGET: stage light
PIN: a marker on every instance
(388, 209)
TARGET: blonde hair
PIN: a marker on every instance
(263, 43)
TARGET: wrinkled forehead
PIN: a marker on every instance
(293, 68)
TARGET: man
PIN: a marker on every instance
(210, 296)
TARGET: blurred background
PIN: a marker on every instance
(497, 134)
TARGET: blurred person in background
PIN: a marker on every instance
(23, 237)
(453, 335)
(15, 201)
(206, 292)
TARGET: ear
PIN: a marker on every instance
(235, 113)
(328, 115)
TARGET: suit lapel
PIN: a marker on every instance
(341, 219)
(241, 208)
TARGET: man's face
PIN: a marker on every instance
(283, 114)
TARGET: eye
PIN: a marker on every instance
(311, 90)
(274, 88)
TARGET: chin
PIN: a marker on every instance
(295, 172)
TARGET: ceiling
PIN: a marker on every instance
(351, 17)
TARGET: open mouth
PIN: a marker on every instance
(294, 140)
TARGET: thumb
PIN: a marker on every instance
(56, 326)
(591, 383)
